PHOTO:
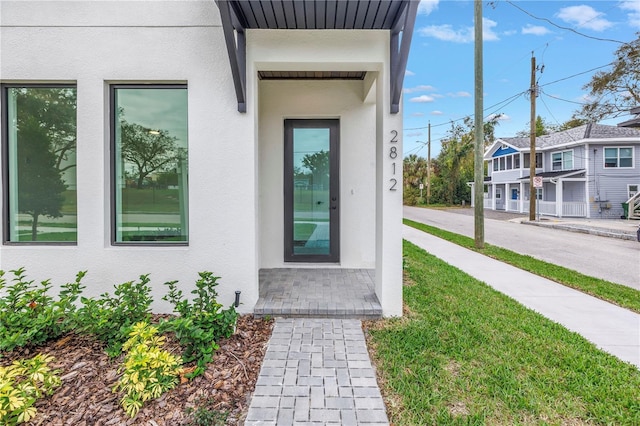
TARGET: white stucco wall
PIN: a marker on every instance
(235, 160)
(280, 100)
(93, 44)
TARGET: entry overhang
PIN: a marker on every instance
(397, 16)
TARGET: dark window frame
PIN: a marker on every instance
(112, 164)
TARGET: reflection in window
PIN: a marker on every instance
(40, 189)
(150, 141)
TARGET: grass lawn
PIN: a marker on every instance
(618, 294)
(465, 354)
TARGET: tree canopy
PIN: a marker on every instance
(616, 90)
(147, 150)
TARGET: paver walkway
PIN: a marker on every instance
(317, 372)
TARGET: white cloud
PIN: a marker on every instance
(463, 35)
(487, 31)
(413, 134)
(427, 6)
(584, 16)
(436, 112)
(409, 73)
(535, 30)
(634, 14)
(421, 88)
(417, 114)
(422, 99)
(510, 32)
(460, 94)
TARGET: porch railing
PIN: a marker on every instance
(487, 203)
(547, 207)
(574, 209)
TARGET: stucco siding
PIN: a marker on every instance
(93, 44)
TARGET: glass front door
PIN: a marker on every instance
(311, 191)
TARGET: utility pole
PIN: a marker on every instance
(478, 169)
(533, 192)
(429, 165)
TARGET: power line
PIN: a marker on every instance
(562, 27)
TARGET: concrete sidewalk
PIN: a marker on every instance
(611, 328)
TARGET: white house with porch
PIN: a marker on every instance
(588, 171)
(250, 139)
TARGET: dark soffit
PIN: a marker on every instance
(397, 16)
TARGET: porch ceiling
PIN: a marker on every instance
(397, 16)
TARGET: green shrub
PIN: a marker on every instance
(201, 323)
(22, 384)
(29, 316)
(148, 371)
(204, 416)
(110, 318)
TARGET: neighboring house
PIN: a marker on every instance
(633, 122)
(170, 137)
(587, 171)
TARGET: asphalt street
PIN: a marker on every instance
(611, 259)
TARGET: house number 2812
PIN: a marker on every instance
(393, 154)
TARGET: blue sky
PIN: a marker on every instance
(439, 83)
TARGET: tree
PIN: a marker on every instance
(454, 164)
(40, 184)
(318, 164)
(148, 150)
(46, 130)
(542, 128)
(617, 90)
(55, 110)
(414, 172)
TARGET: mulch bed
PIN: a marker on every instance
(88, 376)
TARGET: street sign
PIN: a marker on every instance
(422, 186)
(537, 181)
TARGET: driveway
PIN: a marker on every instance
(611, 259)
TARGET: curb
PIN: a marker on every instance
(602, 232)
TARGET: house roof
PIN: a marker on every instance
(556, 174)
(634, 122)
(580, 134)
(397, 16)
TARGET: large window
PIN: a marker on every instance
(527, 160)
(149, 143)
(507, 162)
(618, 157)
(39, 153)
(562, 160)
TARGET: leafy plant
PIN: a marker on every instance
(29, 316)
(201, 323)
(203, 416)
(22, 384)
(148, 371)
(110, 318)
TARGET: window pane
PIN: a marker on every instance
(527, 160)
(611, 157)
(41, 163)
(626, 157)
(501, 163)
(516, 161)
(567, 159)
(538, 160)
(509, 162)
(556, 161)
(150, 170)
(495, 164)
